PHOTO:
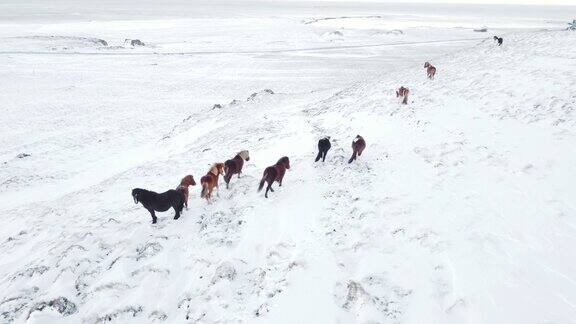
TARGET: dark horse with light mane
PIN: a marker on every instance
(358, 146)
(274, 173)
(234, 166)
(160, 202)
(498, 40)
(403, 92)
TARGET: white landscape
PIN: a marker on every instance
(460, 210)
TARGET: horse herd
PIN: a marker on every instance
(178, 198)
(403, 92)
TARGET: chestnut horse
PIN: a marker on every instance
(358, 146)
(403, 93)
(234, 166)
(274, 173)
(430, 70)
(210, 180)
(183, 187)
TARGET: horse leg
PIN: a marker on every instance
(177, 210)
(154, 218)
(324, 156)
(269, 188)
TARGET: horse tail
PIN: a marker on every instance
(318, 156)
(204, 190)
(263, 180)
(353, 157)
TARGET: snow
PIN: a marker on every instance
(460, 210)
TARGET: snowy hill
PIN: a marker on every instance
(461, 209)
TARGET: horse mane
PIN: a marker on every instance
(244, 154)
(283, 160)
(214, 169)
(140, 190)
(187, 180)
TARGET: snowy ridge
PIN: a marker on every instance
(461, 209)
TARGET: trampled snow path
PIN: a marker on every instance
(460, 211)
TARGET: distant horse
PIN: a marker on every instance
(210, 180)
(403, 93)
(498, 40)
(274, 173)
(183, 187)
(234, 166)
(358, 146)
(430, 70)
(153, 201)
(323, 147)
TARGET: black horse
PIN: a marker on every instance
(323, 147)
(498, 40)
(160, 202)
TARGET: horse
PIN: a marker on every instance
(210, 180)
(498, 40)
(430, 70)
(160, 202)
(403, 93)
(323, 147)
(358, 146)
(234, 166)
(183, 187)
(274, 173)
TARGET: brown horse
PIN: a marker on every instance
(234, 166)
(358, 146)
(210, 180)
(430, 70)
(274, 173)
(403, 93)
(183, 187)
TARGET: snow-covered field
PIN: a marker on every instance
(461, 209)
